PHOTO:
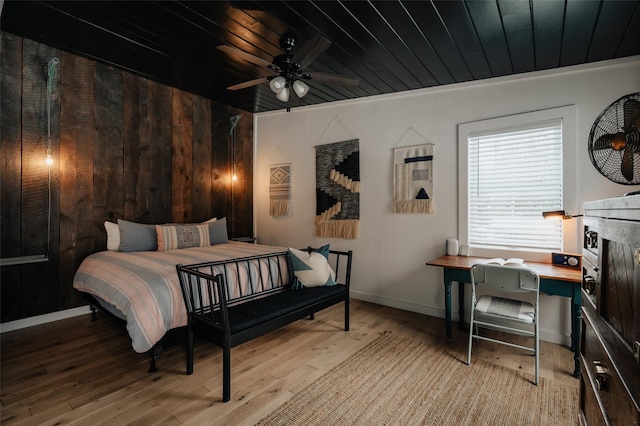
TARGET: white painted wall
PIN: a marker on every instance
(391, 250)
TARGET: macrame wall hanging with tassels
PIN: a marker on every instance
(338, 189)
(413, 178)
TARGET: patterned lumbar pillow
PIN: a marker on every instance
(172, 237)
(311, 269)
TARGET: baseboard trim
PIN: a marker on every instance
(401, 304)
(43, 319)
(546, 335)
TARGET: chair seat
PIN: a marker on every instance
(513, 309)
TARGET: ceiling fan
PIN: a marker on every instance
(288, 67)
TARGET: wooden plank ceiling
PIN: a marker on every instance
(390, 46)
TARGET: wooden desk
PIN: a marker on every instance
(554, 280)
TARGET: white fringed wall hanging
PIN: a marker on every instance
(413, 178)
(279, 189)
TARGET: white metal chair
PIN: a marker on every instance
(503, 314)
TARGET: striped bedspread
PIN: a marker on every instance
(144, 285)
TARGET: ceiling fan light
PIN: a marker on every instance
(300, 88)
(278, 84)
(283, 95)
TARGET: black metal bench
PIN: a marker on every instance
(230, 311)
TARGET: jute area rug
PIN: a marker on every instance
(400, 381)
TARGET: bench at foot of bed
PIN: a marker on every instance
(230, 315)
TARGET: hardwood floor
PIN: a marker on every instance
(76, 371)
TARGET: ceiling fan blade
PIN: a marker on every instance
(310, 51)
(627, 164)
(631, 115)
(323, 77)
(244, 55)
(249, 83)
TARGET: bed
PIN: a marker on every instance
(142, 287)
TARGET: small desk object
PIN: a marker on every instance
(554, 280)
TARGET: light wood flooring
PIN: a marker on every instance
(76, 371)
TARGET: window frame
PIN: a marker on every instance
(567, 115)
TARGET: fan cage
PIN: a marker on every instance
(608, 161)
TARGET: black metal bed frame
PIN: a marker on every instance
(170, 338)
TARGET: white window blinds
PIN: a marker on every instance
(515, 175)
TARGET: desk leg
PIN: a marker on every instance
(576, 325)
(573, 324)
(447, 302)
(461, 324)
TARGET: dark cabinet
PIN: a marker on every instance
(610, 336)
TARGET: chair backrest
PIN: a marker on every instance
(513, 279)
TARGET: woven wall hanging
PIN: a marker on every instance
(413, 179)
(279, 189)
(338, 189)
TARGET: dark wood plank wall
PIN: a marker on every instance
(75, 168)
(242, 189)
(123, 147)
(31, 201)
(10, 164)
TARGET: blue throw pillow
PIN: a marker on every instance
(218, 231)
(311, 269)
(137, 236)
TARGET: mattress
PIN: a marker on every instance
(144, 285)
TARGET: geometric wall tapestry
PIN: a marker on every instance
(413, 179)
(338, 189)
(279, 189)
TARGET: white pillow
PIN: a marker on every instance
(311, 269)
(213, 219)
(113, 235)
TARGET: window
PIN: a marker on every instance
(511, 172)
(515, 175)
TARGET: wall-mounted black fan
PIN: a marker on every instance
(614, 141)
(288, 68)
